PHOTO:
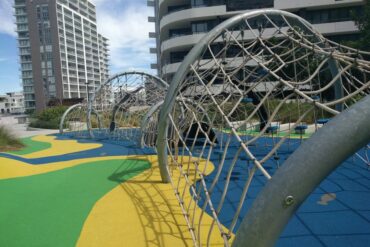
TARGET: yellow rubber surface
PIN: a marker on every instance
(144, 212)
(139, 212)
(60, 147)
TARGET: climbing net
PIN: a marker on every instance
(74, 121)
(265, 81)
(117, 109)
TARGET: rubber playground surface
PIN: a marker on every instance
(64, 192)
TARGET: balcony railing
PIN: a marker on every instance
(173, 9)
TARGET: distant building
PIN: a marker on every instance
(60, 50)
(12, 103)
(180, 24)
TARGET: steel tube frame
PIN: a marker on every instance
(301, 173)
(69, 110)
(159, 81)
(65, 115)
(180, 75)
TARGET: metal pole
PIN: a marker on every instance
(89, 110)
(145, 121)
(301, 173)
(338, 86)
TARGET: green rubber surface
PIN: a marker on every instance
(50, 209)
(31, 146)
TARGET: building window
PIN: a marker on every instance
(45, 13)
(199, 27)
(234, 5)
(330, 15)
(197, 3)
(26, 66)
(344, 37)
(178, 56)
(179, 32)
(28, 89)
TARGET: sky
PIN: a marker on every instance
(123, 22)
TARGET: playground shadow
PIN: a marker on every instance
(157, 209)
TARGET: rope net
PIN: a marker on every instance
(256, 90)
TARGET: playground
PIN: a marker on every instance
(261, 138)
(111, 195)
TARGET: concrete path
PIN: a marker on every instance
(21, 130)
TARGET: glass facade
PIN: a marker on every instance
(46, 48)
(24, 53)
(330, 15)
(312, 16)
(234, 5)
(83, 53)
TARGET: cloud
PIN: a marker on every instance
(125, 24)
(7, 19)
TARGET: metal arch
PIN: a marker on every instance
(69, 110)
(194, 54)
(160, 81)
(65, 115)
(284, 193)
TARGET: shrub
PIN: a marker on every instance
(48, 118)
(8, 141)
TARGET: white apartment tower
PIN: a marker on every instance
(61, 53)
(180, 24)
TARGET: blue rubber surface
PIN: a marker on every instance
(337, 213)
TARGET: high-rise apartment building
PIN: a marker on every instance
(61, 53)
(180, 24)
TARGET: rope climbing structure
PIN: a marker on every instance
(117, 109)
(266, 81)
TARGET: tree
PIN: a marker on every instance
(363, 23)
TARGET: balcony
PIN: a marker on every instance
(181, 41)
(170, 68)
(188, 15)
(297, 4)
(25, 53)
(166, 10)
(20, 13)
(24, 45)
(21, 21)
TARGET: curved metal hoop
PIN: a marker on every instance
(61, 124)
(333, 62)
(65, 114)
(196, 52)
(161, 83)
